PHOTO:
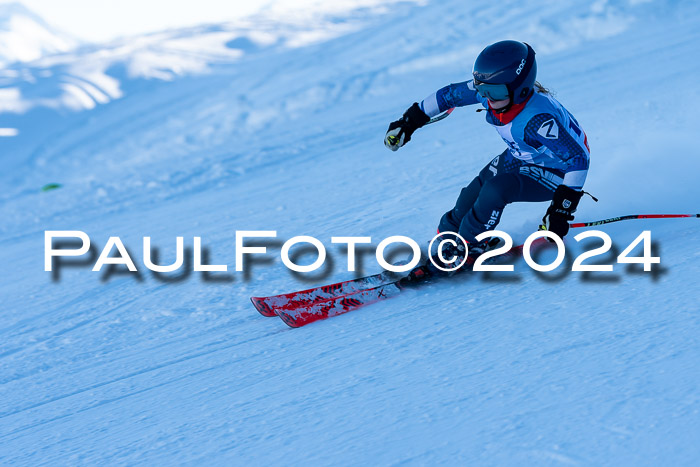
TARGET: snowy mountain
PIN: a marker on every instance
(100, 73)
(278, 125)
(24, 36)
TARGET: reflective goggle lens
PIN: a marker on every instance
(494, 92)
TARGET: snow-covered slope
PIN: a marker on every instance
(115, 368)
(24, 36)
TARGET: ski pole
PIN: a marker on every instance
(633, 216)
(437, 118)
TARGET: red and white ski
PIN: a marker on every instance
(322, 309)
(300, 308)
(267, 305)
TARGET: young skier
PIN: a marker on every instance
(546, 160)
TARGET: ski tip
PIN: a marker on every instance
(262, 307)
(290, 321)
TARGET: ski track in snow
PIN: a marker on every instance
(519, 371)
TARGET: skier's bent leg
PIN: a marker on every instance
(452, 219)
(498, 192)
(488, 208)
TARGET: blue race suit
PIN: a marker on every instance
(546, 148)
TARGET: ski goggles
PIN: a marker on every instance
(494, 92)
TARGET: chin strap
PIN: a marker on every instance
(504, 110)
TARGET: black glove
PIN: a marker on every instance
(560, 212)
(400, 131)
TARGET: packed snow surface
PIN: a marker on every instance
(278, 125)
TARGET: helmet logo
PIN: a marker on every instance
(520, 68)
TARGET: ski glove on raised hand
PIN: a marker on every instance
(560, 212)
(400, 131)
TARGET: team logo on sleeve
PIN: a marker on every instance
(549, 129)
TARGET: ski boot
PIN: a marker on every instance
(430, 270)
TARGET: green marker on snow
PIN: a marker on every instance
(50, 186)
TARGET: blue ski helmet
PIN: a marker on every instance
(505, 69)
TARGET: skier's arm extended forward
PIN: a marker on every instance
(454, 95)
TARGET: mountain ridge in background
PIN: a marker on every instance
(26, 36)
